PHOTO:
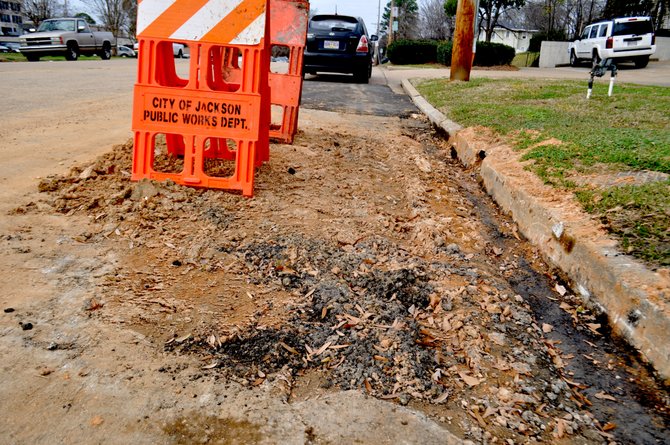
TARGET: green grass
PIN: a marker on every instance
(638, 216)
(628, 131)
(16, 57)
(417, 66)
(526, 59)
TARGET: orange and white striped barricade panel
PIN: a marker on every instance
(288, 28)
(194, 123)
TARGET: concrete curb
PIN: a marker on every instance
(438, 119)
(633, 297)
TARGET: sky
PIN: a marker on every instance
(367, 9)
(358, 8)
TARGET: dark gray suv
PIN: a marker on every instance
(339, 44)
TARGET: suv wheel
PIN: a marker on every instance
(72, 51)
(596, 58)
(641, 62)
(574, 61)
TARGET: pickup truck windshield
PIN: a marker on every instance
(56, 25)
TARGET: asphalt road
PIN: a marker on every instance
(333, 92)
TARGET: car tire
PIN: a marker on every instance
(595, 59)
(363, 76)
(72, 53)
(641, 62)
(106, 52)
(574, 61)
(32, 58)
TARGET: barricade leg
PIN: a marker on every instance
(288, 29)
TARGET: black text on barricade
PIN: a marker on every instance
(201, 113)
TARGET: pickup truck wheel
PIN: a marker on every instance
(574, 61)
(32, 58)
(106, 52)
(641, 62)
(72, 52)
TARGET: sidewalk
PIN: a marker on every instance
(634, 298)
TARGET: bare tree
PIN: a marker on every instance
(435, 23)
(561, 19)
(580, 13)
(111, 13)
(130, 9)
(407, 18)
(39, 10)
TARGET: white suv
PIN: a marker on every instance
(626, 38)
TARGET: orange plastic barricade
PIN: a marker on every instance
(288, 28)
(205, 125)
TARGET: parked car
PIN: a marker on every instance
(4, 49)
(621, 39)
(179, 50)
(339, 44)
(124, 51)
(69, 37)
(13, 47)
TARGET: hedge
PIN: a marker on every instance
(490, 54)
(444, 53)
(404, 52)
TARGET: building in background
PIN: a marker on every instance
(11, 18)
(517, 38)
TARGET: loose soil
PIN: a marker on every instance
(367, 260)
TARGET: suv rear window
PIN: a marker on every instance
(628, 28)
(341, 24)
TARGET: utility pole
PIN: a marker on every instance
(464, 35)
(379, 15)
(391, 21)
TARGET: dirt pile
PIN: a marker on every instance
(360, 264)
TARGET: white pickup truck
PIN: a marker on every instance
(69, 37)
(625, 38)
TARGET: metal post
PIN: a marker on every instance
(613, 69)
(461, 55)
(379, 15)
(599, 70)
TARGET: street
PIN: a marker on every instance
(369, 262)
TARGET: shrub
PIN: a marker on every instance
(404, 52)
(490, 54)
(444, 53)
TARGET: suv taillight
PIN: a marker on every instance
(610, 43)
(362, 45)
